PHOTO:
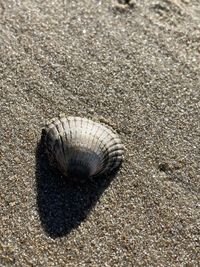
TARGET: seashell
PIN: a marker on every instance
(80, 147)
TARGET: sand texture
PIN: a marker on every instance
(134, 65)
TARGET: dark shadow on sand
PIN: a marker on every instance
(63, 205)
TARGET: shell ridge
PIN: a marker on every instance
(91, 134)
(65, 141)
(104, 137)
(97, 133)
(70, 134)
(61, 155)
(94, 142)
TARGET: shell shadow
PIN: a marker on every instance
(63, 205)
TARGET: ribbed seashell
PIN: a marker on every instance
(82, 148)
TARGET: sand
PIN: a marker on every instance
(135, 65)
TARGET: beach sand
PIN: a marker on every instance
(135, 65)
